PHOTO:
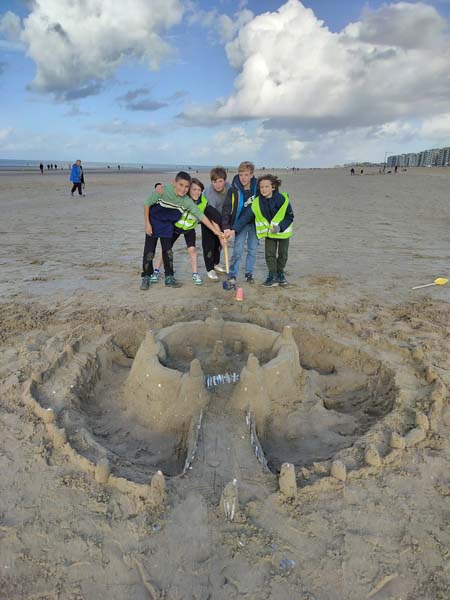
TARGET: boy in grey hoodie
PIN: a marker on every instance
(215, 194)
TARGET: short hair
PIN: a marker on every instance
(156, 185)
(273, 180)
(198, 182)
(217, 173)
(183, 175)
(246, 166)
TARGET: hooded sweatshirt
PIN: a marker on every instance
(236, 201)
(216, 199)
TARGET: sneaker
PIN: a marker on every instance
(219, 269)
(282, 279)
(154, 278)
(197, 279)
(249, 278)
(145, 282)
(213, 275)
(271, 281)
(170, 281)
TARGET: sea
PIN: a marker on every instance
(30, 165)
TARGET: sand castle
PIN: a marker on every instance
(135, 422)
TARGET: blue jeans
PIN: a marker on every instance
(249, 234)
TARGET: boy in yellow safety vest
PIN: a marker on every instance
(186, 225)
(273, 216)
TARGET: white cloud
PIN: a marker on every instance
(5, 133)
(296, 149)
(233, 142)
(77, 45)
(222, 28)
(10, 26)
(392, 64)
(437, 128)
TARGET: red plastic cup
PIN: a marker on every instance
(239, 294)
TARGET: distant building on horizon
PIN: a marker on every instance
(433, 157)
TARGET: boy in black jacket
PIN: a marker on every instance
(273, 216)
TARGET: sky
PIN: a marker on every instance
(308, 84)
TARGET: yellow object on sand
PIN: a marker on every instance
(438, 281)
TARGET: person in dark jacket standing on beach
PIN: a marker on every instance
(76, 175)
(240, 196)
(272, 214)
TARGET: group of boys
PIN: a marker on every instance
(169, 208)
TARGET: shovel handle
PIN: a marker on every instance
(422, 286)
(225, 252)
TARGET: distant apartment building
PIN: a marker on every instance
(433, 157)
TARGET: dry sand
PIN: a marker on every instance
(362, 391)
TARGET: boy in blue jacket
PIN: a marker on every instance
(272, 215)
(238, 197)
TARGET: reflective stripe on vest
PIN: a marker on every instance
(262, 225)
(187, 220)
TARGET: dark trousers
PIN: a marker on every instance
(211, 248)
(149, 255)
(276, 251)
(77, 186)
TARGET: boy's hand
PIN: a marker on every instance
(148, 229)
(159, 188)
(227, 233)
(275, 229)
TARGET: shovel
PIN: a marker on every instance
(227, 285)
(438, 281)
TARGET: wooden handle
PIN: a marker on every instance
(225, 251)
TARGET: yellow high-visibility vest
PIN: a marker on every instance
(264, 228)
(187, 220)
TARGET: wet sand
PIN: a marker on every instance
(374, 360)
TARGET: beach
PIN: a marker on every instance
(374, 360)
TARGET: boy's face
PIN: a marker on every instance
(266, 188)
(181, 187)
(219, 184)
(195, 191)
(244, 177)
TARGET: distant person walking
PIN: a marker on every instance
(76, 175)
(41, 167)
(83, 185)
